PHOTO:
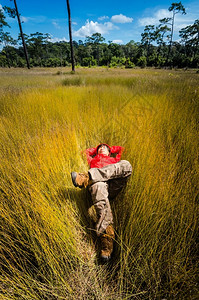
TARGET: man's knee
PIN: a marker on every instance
(126, 166)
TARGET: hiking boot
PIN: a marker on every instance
(107, 243)
(80, 179)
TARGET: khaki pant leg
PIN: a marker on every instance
(99, 193)
(121, 169)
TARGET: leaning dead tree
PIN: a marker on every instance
(70, 35)
(22, 36)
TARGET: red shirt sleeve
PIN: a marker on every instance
(90, 153)
(118, 150)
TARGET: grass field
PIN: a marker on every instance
(47, 246)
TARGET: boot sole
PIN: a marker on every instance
(105, 259)
(73, 177)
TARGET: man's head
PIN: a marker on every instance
(103, 149)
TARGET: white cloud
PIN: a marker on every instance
(92, 27)
(103, 18)
(33, 20)
(39, 19)
(162, 13)
(1, 7)
(121, 19)
(147, 21)
(25, 19)
(56, 25)
(74, 23)
(180, 20)
(55, 39)
(154, 20)
(117, 42)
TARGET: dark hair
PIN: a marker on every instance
(99, 146)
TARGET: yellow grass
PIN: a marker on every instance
(47, 247)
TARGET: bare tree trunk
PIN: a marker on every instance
(22, 36)
(70, 35)
(171, 40)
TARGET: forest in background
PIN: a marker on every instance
(155, 49)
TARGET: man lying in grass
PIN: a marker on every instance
(105, 179)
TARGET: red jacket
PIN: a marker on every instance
(100, 160)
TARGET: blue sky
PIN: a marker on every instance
(117, 21)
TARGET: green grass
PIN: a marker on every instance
(47, 247)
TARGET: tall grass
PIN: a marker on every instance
(47, 246)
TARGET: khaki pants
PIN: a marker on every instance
(107, 182)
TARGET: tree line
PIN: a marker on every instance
(156, 47)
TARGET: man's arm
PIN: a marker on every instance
(118, 150)
(90, 153)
